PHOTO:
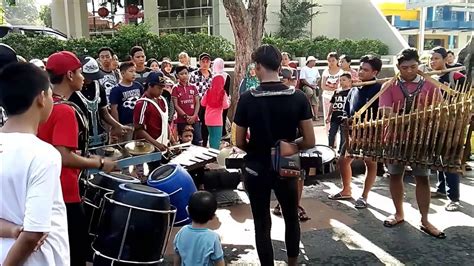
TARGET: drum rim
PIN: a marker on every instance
(107, 197)
(164, 179)
(161, 195)
(333, 152)
(132, 180)
(98, 253)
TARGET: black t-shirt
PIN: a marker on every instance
(270, 119)
(453, 78)
(89, 92)
(338, 101)
(140, 76)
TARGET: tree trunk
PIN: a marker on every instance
(248, 27)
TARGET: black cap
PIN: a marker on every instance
(157, 78)
(204, 55)
(7, 55)
(90, 68)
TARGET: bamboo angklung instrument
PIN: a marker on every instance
(432, 134)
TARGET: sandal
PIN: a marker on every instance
(360, 203)
(452, 206)
(302, 214)
(440, 235)
(339, 196)
(277, 210)
(392, 221)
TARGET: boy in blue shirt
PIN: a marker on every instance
(196, 244)
(124, 95)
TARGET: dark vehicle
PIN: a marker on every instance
(31, 31)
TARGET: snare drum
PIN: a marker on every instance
(321, 158)
(177, 182)
(135, 226)
(96, 187)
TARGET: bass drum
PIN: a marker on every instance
(96, 187)
(135, 226)
(319, 160)
(176, 181)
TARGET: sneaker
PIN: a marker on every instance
(437, 195)
(453, 206)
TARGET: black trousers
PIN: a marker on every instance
(259, 181)
(78, 235)
(204, 131)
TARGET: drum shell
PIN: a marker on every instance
(96, 188)
(142, 232)
(176, 181)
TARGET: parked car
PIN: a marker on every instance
(31, 31)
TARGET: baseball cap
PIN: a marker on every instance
(61, 62)
(7, 55)
(157, 78)
(204, 55)
(38, 63)
(90, 69)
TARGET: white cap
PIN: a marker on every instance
(310, 58)
(38, 63)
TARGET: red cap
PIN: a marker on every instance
(61, 62)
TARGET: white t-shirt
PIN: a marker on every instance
(311, 75)
(331, 79)
(30, 195)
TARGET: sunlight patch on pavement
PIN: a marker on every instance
(356, 241)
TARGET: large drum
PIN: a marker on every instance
(321, 158)
(96, 187)
(135, 226)
(177, 182)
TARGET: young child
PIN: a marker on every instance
(31, 195)
(186, 102)
(124, 96)
(336, 109)
(187, 134)
(196, 244)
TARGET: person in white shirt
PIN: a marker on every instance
(330, 81)
(31, 197)
(309, 78)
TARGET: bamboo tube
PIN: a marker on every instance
(449, 135)
(415, 132)
(376, 135)
(444, 71)
(401, 139)
(437, 83)
(371, 82)
(385, 86)
(422, 131)
(429, 129)
(408, 133)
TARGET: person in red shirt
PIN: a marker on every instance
(61, 130)
(186, 101)
(150, 115)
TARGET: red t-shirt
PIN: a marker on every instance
(185, 96)
(62, 129)
(146, 114)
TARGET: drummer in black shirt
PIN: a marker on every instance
(93, 104)
(275, 115)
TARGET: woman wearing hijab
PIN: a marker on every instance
(250, 81)
(218, 69)
(215, 100)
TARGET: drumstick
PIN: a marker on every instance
(187, 144)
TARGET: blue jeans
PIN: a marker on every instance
(448, 183)
(334, 127)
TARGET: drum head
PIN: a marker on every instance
(327, 153)
(142, 196)
(162, 172)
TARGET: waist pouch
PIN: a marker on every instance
(286, 159)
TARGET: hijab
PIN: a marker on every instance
(215, 94)
(251, 82)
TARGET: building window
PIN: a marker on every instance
(185, 16)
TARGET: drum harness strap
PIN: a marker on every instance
(92, 107)
(82, 119)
